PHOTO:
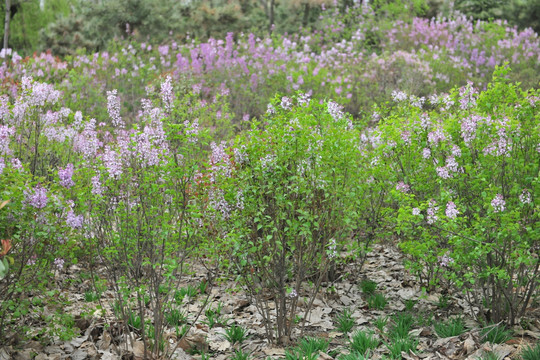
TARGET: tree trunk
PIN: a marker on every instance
(6, 23)
(271, 16)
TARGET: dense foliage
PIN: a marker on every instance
(274, 160)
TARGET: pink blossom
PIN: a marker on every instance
(451, 210)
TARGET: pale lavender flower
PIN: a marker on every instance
(445, 260)
(74, 221)
(432, 212)
(5, 133)
(443, 172)
(399, 96)
(456, 151)
(525, 197)
(217, 202)
(401, 186)
(270, 109)
(426, 153)
(2, 165)
(112, 162)
(59, 263)
(293, 294)
(113, 108)
(286, 103)
(416, 211)
(167, 94)
(451, 164)
(38, 197)
(97, 188)
(240, 155)
(467, 96)
(451, 210)
(406, 137)
(332, 249)
(240, 199)
(303, 99)
(498, 203)
(468, 128)
(436, 136)
(66, 175)
(16, 163)
(335, 110)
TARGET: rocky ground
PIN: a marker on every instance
(102, 336)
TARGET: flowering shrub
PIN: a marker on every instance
(466, 179)
(286, 193)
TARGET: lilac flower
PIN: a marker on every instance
(74, 221)
(432, 212)
(112, 162)
(426, 153)
(406, 137)
(97, 188)
(401, 186)
(240, 199)
(32, 260)
(65, 176)
(456, 151)
(16, 163)
(192, 130)
(467, 96)
(445, 260)
(524, 197)
(217, 202)
(303, 99)
(286, 103)
(38, 198)
(416, 211)
(451, 210)
(443, 172)
(399, 96)
(332, 252)
(5, 133)
(498, 203)
(270, 109)
(167, 94)
(113, 108)
(436, 136)
(2, 165)
(59, 263)
(293, 294)
(468, 128)
(451, 164)
(240, 156)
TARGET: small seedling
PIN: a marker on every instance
(531, 353)
(236, 334)
(353, 356)
(377, 301)
(90, 296)
(452, 327)
(409, 304)
(402, 325)
(368, 286)
(490, 355)
(213, 316)
(175, 317)
(362, 342)
(345, 321)
(444, 302)
(381, 322)
(311, 345)
(401, 344)
(240, 355)
(496, 334)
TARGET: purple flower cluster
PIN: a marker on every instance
(66, 175)
(401, 186)
(451, 210)
(498, 203)
(525, 197)
(432, 212)
(38, 197)
(113, 108)
(74, 221)
(445, 260)
(167, 93)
